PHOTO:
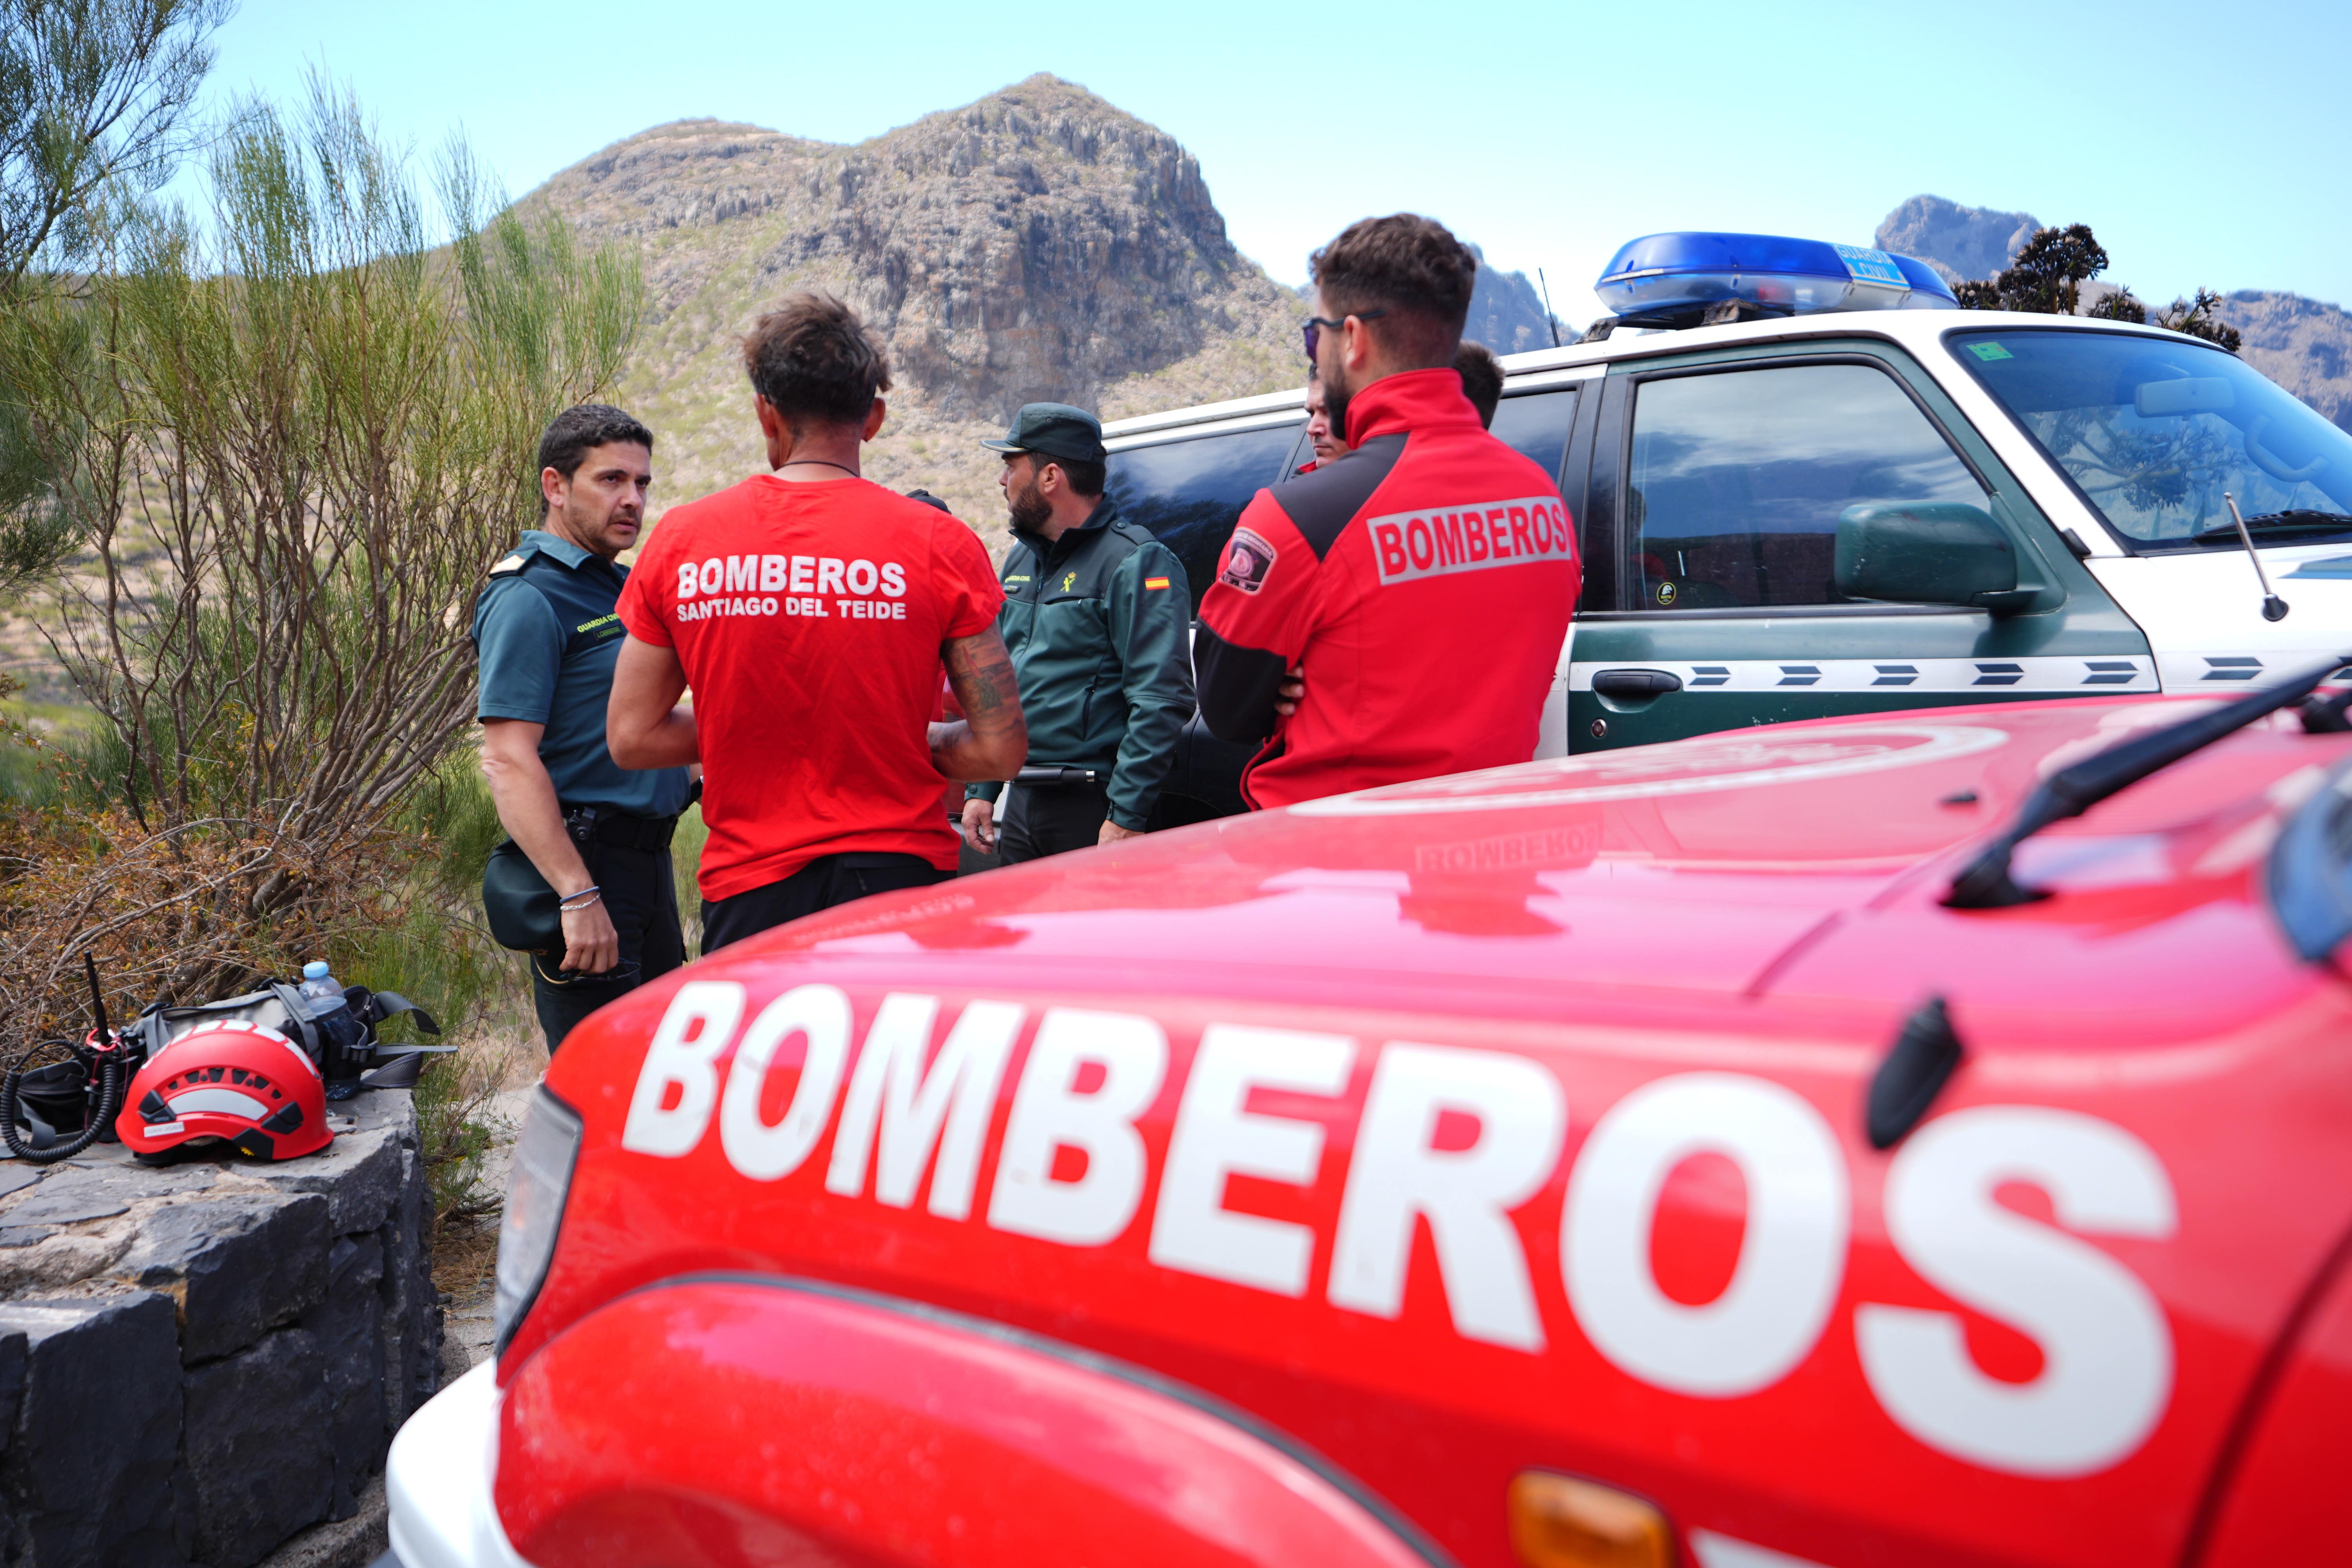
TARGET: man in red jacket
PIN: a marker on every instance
(1419, 586)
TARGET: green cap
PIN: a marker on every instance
(1054, 430)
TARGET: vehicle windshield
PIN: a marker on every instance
(2155, 430)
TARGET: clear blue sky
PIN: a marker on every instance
(2204, 144)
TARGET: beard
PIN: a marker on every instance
(1031, 511)
(1336, 393)
(608, 533)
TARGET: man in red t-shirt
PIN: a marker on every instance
(811, 612)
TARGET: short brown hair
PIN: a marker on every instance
(580, 428)
(1410, 267)
(811, 358)
(1482, 379)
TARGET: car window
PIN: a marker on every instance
(2156, 431)
(1737, 477)
(1536, 426)
(1190, 493)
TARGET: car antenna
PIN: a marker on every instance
(2273, 608)
(1986, 883)
(1550, 320)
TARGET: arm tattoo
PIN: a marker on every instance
(981, 673)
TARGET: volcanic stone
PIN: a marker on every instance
(240, 1263)
(99, 1191)
(348, 1327)
(72, 1196)
(259, 1470)
(88, 1474)
(412, 1305)
(359, 1173)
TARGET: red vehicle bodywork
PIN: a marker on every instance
(1277, 1190)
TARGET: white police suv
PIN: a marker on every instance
(1807, 484)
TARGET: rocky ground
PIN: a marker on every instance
(464, 1264)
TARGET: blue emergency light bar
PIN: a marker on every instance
(1661, 277)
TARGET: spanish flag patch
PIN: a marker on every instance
(1155, 581)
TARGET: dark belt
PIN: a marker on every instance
(625, 830)
(1033, 777)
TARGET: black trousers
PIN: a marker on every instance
(1051, 819)
(824, 882)
(642, 898)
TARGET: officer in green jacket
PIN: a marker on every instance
(1096, 616)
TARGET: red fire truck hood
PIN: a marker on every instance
(1694, 870)
(1665, 984)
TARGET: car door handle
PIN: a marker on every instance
(1635, 682)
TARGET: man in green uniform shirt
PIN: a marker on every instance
(1096, 614)
(548, 638)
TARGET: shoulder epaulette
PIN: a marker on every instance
(510, 566)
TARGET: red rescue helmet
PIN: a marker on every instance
(232, 1081)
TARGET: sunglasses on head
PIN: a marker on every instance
(1315, 325)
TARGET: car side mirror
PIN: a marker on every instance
(1931, 553)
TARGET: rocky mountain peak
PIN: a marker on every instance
(1036, 244)
(1039, 244)
(1959, 242)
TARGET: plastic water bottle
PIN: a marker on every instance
(338, 1032)
(319, 988)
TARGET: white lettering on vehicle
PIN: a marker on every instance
(701, 1020)
(944, 1107)
(1215, 1138)
(1463, 1139)
(1791, 1256)
(2106, 1351)
(819, 1015)
(1049, 1113)
(1410, 545)
(1400, 1174)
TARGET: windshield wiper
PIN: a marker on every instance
(2294, 519)
(1986, 883)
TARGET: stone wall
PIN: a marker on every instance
(198, 1361)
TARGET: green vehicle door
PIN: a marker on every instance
(1717, 487)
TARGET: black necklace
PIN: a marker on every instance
(821, 463)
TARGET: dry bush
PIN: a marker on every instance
(166, 913)
(295, 438)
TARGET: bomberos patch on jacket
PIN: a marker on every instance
(1407, 545)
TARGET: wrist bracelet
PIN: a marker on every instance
(586, 896)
